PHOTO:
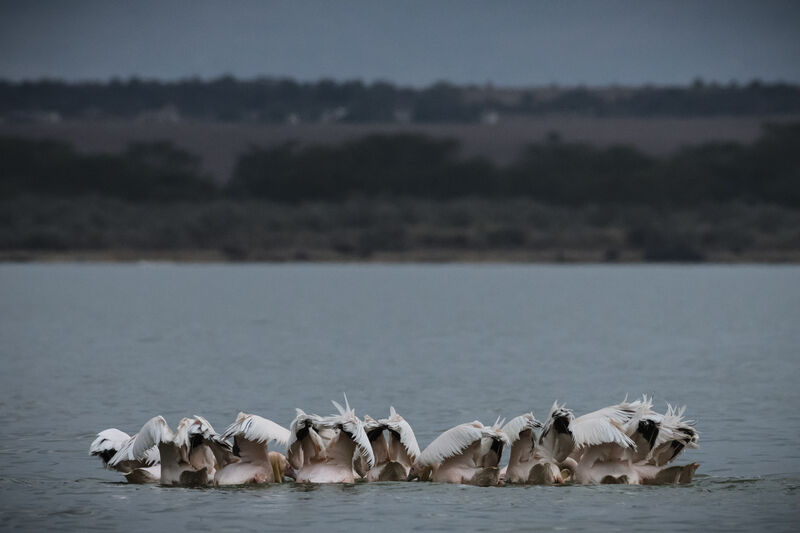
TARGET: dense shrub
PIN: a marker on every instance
(410, 165)
(144, 172)
(551, 172)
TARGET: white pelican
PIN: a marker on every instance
(393, 459)
(110, 441)
(620, 444)
(256, 464)
(674, 435)
(555, 445)
(468, 453)
(670, 435)
(521, 433)
(305, 445)
(565, 439)
(602, 446)
(189, 455)
(322, 450)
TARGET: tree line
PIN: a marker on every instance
(416, 166)
(278, 100)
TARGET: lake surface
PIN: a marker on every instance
(86, 347)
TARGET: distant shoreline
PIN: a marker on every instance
(571, 256)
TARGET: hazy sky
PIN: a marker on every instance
(408, 42)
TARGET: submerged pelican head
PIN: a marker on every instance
(420, 472)
(280, 467)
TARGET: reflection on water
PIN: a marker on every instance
(89, 347)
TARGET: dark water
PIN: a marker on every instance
(88, 347)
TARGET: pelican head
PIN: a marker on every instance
(420, 472)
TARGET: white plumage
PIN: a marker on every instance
(630, 443)
(624, 443)
(594, 429)
(348, 422)
(397, 424)
(556, 441)
(521, 434)
(451, 442)
(514, 427)
(189, 455)
(257, 429)
(468, 453)
(395, 457)
(323, 449)
(251, 436)
(108, 443)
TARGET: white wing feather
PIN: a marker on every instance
(140, 446)
(371, 424)
(201, 426)
(219, 446)
(257, 429)
(108, 440)
(399, 425)
(450, 443)
(354, 427)
(674, 435)
(596, 428)
(300, 421)
(518, 424)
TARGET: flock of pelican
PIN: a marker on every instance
(624, 443)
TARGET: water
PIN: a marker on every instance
(85, 347)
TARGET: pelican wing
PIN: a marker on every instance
(520, 432)
(621, 414)
(141, 446)
(363, 447)
(558, 420)
(674, 426)
(468, 458)
(257, 429)
(251, 435)
(380, 450)
(220, 447)
(625, 414)
(304, 421)
(675, 434)
(304, 441)
(629, 415)
(398, 425)
(199, 426)
(518, 424)
(451, 443)
(370, 424)
(596, 428)
(492, 444)
(108, 442)
(556, 441)
(354, 427)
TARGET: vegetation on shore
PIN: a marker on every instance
(408, 197)
(471, 229)
(411, 165)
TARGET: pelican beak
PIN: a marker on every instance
(276, 472)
